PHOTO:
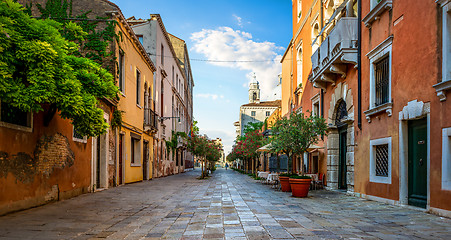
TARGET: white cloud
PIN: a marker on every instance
(236, 49)
(208, 95)
(239, 20)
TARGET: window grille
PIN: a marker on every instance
(382, 160)
(341, 113)
(382, 75)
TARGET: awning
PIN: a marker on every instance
(265, 148)
(312, 148)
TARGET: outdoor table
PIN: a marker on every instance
(263, 174)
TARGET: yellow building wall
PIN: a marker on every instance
(287, 62)
(133, 113)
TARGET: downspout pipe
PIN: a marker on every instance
(322, 92)
(359, 64)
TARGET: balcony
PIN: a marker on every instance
(150, 120)
(338, 49)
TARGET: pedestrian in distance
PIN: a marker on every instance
(226, 166)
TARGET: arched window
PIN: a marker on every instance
(315, 33)
(299, 66)
(341, 113)
(254, 96)
(299, 12)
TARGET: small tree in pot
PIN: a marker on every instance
(294, 135)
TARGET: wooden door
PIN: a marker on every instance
(418, 163)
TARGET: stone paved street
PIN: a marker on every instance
(227, 206)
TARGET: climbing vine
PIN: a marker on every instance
(99, 32)
(117, 119)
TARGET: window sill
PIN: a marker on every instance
(374, 14)
(84, 140)
(380, 179)
(16, 127)
(387, 107)
(441, 88)
(135, 164)
(139, 106)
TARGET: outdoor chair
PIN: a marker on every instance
(320, 182)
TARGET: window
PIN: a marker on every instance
(138, 87)
(172, 75)
(162, 54)
(446, 35)
(77, 137)
(141, 39)
(446, 159)
(315, 105)
(381, 81)
(444, 85)
(15, 118)
(315, 33)
(135, 150)
(253, 113)
(299, 66)
(299, 10)
(380, 160)
(121, 72)
(268, 113)
(380, 74)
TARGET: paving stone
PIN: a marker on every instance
(226, 206)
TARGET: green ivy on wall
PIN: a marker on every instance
(100, 32)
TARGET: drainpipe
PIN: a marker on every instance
(322, 91)
(359, 64)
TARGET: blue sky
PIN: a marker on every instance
(243, 30)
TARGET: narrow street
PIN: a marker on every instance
(228, 205)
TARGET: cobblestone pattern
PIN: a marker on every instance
(227, 206)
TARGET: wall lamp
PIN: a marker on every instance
(165, 118)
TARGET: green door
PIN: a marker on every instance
(342, 158)
(418, 163)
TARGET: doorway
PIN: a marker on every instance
(145, 160)
(121, 163)
(98, 156)
(342, 169)
(417, 163)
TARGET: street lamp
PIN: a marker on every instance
(164, 118)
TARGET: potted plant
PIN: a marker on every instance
(295, 134)
(284, 179)
(300, 185)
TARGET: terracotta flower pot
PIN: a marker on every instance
(300, 187)
(285, 184)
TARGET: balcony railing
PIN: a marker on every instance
(150, 120)
(339, 48)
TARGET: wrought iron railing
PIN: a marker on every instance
(150, 119)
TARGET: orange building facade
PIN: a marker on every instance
(43, 161)
(387, 113)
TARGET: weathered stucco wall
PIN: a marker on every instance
(41, 166)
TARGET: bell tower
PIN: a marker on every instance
(254, 91)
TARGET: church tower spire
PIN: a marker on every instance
(254, 91)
